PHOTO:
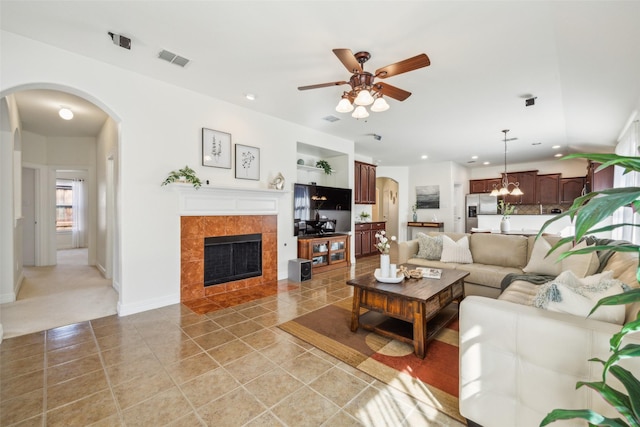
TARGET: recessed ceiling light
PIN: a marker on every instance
(250, 96)
(424, 156)
(486, 163)
(558, 155)
(65, 113)
(474, 157)
(555, 147)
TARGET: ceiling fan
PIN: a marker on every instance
(364, 89)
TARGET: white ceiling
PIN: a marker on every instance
(579, 58)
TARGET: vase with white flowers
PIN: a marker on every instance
(383, 244)
(506, 209)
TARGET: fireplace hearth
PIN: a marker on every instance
(229, 258)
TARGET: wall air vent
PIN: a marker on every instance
(331, 119)
(173, 58)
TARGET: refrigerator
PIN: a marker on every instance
(479, 204)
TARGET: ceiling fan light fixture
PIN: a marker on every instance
(363, 98)
(360, 113)
(65, 113)
(344, 106)
(379, 105)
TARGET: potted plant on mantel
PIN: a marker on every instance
(586, 212)
(185, 174)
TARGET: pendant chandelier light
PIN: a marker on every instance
(504, 189)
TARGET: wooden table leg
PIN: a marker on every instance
(355, 311)
(419, 330)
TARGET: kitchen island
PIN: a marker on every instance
(526, 223)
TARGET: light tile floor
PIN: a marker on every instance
(170, 366)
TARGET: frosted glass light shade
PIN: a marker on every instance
(344, 106)
(379, 105)
(360, 112)
(516, 192)
(363, 98)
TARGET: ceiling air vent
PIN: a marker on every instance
(173, 58)
(331, 119)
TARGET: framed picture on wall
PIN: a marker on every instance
(428, 197)
(216, 149)
(247, 162)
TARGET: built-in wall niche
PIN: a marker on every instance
(308, 155)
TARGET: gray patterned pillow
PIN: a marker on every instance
(429, 247)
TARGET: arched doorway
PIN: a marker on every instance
(86, 151)
(387, 207)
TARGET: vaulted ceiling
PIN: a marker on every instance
(579, 59)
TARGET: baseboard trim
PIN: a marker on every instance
(128, 309)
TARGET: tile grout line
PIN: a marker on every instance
(106, 374)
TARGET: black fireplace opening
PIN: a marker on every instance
(229, 258)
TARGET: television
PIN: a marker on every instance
(318, 209)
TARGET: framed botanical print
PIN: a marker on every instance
(247, 162)
(216, 149)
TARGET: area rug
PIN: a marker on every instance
(432, 380)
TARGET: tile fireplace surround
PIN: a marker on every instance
(223, 211)
(194, 229)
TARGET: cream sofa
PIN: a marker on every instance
(494, 256)
(519, 362)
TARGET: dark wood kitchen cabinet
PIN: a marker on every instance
(527, 182)
(365, 237)
(571, 188)
(365, 183)
(600, 180)
(548, 189)
(484, 185)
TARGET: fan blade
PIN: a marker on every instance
(392, 91)
(410, 64)
(348, 60)
(322, 85)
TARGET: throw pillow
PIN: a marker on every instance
(429, 247)
(582, 265)
(456, 251)
(572, 295)
(540, 263)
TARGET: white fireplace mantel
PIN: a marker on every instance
(211, 200)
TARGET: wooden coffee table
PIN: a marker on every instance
(412, 311)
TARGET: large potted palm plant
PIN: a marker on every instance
(586, 213)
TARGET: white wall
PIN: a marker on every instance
(160, 128)
(10, 226)
(106, 157)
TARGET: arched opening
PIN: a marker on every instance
(83, 153)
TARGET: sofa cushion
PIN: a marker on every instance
(581, 265)
(432, 263)
(543, 262)
(570, 294)
(429, 247)
(487, 275)
(499, 249)
(456, 251)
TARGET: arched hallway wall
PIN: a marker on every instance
(160, 129)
